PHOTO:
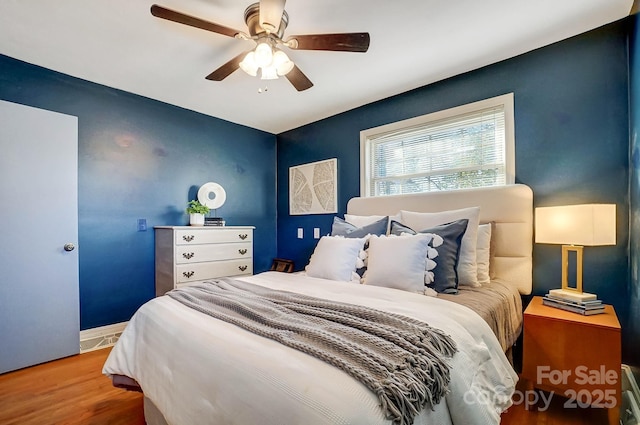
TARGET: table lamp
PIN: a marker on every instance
(573, 227)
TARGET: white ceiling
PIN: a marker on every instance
(119, 43)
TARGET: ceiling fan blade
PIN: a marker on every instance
(298, 79)
(344, 42)
(181, 18)
(225, 70)
(271, 14)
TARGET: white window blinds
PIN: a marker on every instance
(466, 150)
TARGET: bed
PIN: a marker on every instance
(197, 369)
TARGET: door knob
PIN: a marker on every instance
(69, 247)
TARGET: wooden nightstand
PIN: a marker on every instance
(575, 356)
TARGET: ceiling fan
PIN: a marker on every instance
(266, 22)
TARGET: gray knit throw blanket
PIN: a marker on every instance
(402, 360)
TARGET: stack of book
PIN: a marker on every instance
(213, 221)
(581, 303)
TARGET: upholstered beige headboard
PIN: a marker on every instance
(509, 207)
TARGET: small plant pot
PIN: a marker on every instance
(196, 219)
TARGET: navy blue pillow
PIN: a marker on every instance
(445, 275)
(341, 227)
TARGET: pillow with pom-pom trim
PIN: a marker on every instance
(446, 242)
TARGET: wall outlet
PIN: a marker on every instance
(300, 233)
(142, 225)
(316, 233)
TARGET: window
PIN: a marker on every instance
(463, 147)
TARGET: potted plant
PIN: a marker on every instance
(196, 213)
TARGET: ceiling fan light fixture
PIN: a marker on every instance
(263, 54)
(279, 65)
(266, 22)
(282, 63)
(249, 64)
(269, 73)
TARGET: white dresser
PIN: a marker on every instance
(188, 254)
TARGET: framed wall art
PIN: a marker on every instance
(313, 188)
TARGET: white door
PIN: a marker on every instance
(39, 296)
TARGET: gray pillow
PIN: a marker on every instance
(446, 278)
(341, 227)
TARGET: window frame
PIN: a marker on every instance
(506, 100)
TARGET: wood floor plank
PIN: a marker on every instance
(73, 391)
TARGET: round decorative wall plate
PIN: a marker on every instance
(212, 195)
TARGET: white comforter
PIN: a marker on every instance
(198, 370)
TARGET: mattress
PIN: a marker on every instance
(196, 369)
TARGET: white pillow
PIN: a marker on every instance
(483, 253)
(397, 262)
(335, 258)
(467, 264)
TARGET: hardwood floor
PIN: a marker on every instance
(73, 391)
(555, 414)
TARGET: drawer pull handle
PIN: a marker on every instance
(242, 268)
(188, 238)
(242, 251)
(187, 274)
(187, 255)
(243, 236)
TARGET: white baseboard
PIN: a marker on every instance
(101, 337)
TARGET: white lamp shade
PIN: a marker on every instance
(282, 63)
(269, 73)
(249, 65)
(587, 225)
(263, 55)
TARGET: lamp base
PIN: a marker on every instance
(573, 295)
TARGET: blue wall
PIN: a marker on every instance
(634, 186)
(140, 158)
(572, 144)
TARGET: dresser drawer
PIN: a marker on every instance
(214, 269)
(207, 236)
(213, 252)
